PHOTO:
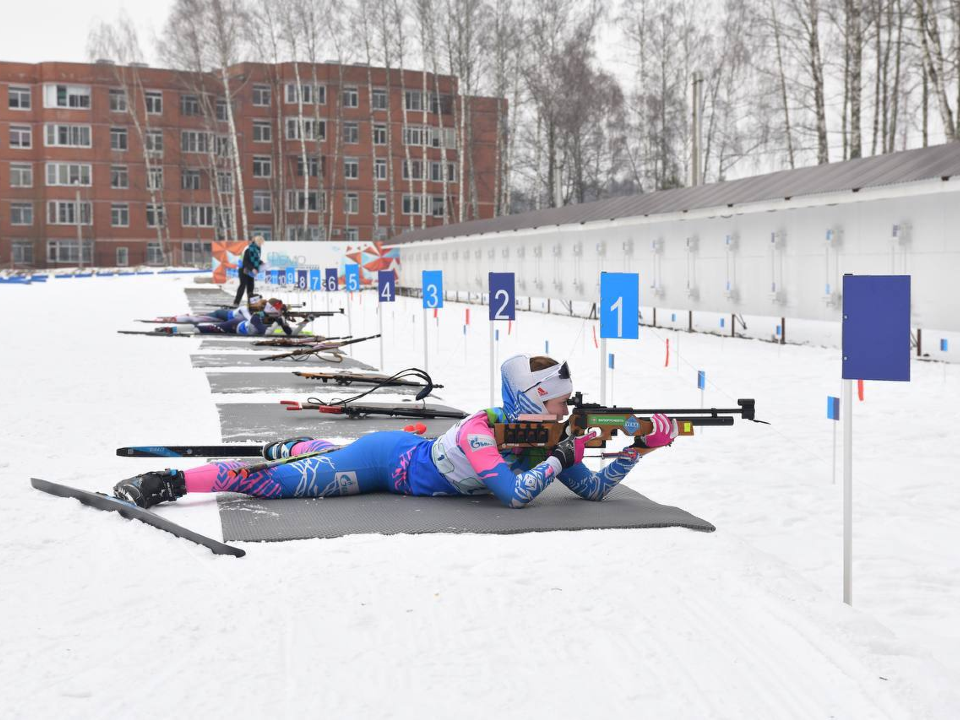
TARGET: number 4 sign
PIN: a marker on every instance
(620, 305)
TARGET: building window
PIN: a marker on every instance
(380, 233)
(221, 110)
(21, 175)
(414, 135)
(441, 137)
(351, 234)
(21, 137)
(64, 212)
(437, 206)
(197, 215)
(264, 231)
(189, 179)
(123, 257)
(441, 104)
(380, 169)
(189, 105)
(379, 134)
(119, 215)
(66, 96)
(295, 233)
(262, 166)
(21, 213)
(351, 132)
(351, 97)
(118, 138)
(262, 202)
(380, 204)
(154, 102)
(154, 254)
(351, 203)
(261, 95)
(118, 101)
(412, 204)
(155, 217)
(298, 201)
(379, 99)
(67, 174)
(313, 129)
(21, 253)
(68, 251)
(223, 145)
(436, 171)
(313, 164)
(225, 181)
(154, 142)
(413, 169)
(119, 179)
(310, 93)
(195, 141)
(413, 100)
(351, 168)
(18, 98)
(68, 136)
(262, 131)
(196, 253)
(155, 178)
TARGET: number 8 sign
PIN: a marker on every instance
(620, 305)
(502, 297)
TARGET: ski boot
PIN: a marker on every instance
(151, 488)
(165, 330)
(281, 449)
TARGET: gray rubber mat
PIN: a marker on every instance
(256, 519)
(262, 422)
(251, 360)
(279, 382)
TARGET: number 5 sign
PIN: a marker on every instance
(619, 305)
(502, 297)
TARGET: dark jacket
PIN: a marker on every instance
(251, 259)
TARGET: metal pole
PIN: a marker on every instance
(834, 466)
(79, 230)
(380, 316)
(678, 351)
(426, 366)
(848, 492)
(603, 371)
(491, 364)
(350, 321)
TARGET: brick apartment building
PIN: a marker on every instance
(149, 156)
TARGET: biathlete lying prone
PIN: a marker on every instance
(255, 318)
(463, 461)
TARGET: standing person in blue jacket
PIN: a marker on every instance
(249, 267)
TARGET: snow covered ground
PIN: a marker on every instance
(101, 617)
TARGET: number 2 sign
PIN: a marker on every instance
(502, 296)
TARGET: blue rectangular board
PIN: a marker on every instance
(876, 327)
(315, 280)
(291, 276)
(943, 345)
(701, 379)
(833, 408)
(274, 277)
(432, 289)
(610, 360)
(386, 286)
(331, 282)
(620, 305)
(351, 273)
(503, 304)
(303, 279)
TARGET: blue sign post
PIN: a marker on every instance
(303, 280)
(432, 300)
(875, 346)
(274, 276)
(331, 281)
(619, 315)
(502, 306)
(351, 273)
(386, 292)
(314, 280)
(291, 276)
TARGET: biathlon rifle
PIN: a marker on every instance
(545, 431)
(318, 348)
(300, 340)
(311, 313)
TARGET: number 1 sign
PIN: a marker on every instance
(619, 315)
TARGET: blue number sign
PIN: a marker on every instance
(386, 286)
(432, 289)
(620, 305)
(352, 277)
(330, 282)
(502, 297)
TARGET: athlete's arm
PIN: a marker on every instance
(597, 485)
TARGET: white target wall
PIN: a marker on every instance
(783, 258)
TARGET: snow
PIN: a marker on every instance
(101, 617)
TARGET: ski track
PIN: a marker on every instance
(103, 617)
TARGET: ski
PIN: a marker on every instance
(133, 512)
(359, 379)
(202, 451)
(154, 333)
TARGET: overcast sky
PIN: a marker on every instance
(38, 30)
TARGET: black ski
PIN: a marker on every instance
(160, 334)
(132, 512)
(202, 451)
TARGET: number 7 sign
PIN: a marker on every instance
(620, 306)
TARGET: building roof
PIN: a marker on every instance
(941, 161)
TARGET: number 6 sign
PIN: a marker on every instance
(502, 296)
(619, 305)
